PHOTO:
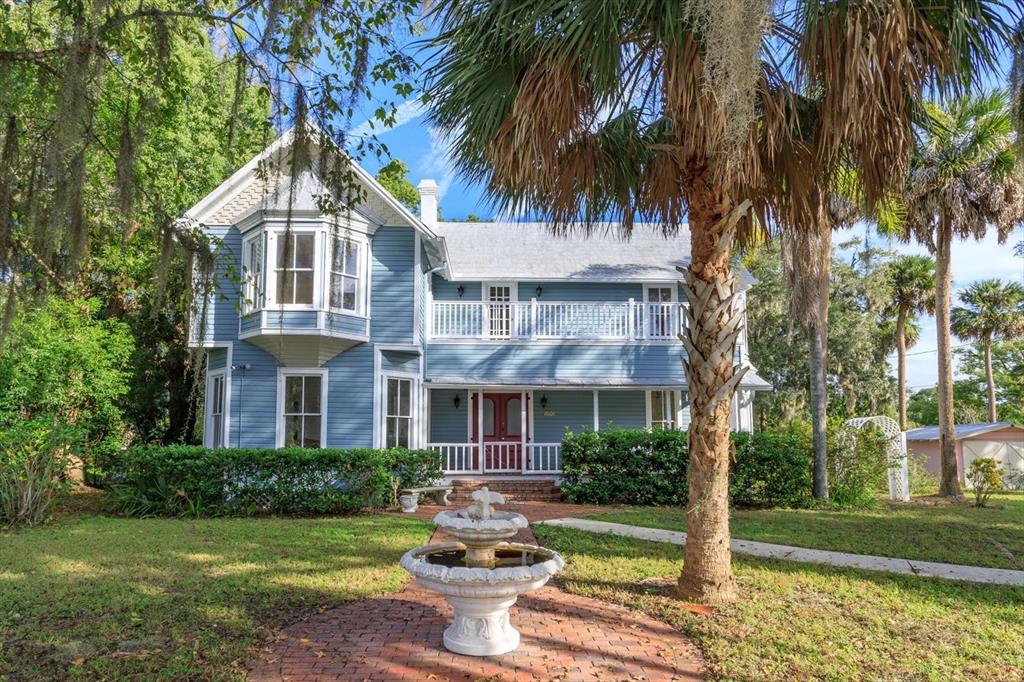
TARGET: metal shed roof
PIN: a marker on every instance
(962, 430)
(529, 251)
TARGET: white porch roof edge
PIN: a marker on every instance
(751, 382)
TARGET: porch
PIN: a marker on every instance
(517, 432)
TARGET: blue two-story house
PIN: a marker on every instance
(483, 341)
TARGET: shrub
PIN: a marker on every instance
(196, 481)
(625, 466)
(858, 465)
(770, 470)
(635, 466)
(985, 477)
(33, 459)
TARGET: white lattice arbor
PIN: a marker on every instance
(896, 451)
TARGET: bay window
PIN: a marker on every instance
(344, 276)
(252, 273)
(307, 268)
(294, 271)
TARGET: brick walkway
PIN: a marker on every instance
(398, 637)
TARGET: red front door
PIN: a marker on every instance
(503, 426)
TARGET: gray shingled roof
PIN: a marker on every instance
(525, 251)
(962, 430)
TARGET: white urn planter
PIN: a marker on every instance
(410, 502)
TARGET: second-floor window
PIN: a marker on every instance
(294, 270)
(253, 274)
(344, 277)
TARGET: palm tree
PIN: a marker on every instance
(992, 311)
(596, 110)
(912, 282)
(963, 178)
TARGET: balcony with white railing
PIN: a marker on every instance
(607, 321)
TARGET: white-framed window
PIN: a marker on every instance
(664, 409)
(302, 408)
(294, 268)
(216, 409)
(398, 411)
(253, 285)
(345, 269)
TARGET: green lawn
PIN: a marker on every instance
(954, 534)
(110, 598)
(798, 621)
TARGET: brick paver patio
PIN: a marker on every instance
(398, 637)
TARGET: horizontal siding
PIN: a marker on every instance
(581, 291)
(251, 322)
(291, 319)
(221, 308)
(622, 409)
(399, 361)
(448, 424)
(565, 411)
(346, 324)
(653, 364)
(253, 398)
(393, 285)
(216, 358)
(350, 398)
(443, 290)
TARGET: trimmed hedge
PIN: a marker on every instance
(197, 481)
(639, 467)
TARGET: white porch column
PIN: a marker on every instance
(597, 416)
(525, 454)
(480, 427)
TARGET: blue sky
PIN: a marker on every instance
(424, 151)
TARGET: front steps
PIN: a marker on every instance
(514, 489)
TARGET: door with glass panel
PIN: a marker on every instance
(499, 309)
(659, 312)
(502, 429)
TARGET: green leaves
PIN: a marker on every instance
(194, 481)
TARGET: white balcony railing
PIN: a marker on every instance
(626, 320)
(502, 457)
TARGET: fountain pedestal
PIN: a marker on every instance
(482, 575)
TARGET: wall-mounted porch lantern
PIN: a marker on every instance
(461, 290)
(538, 291)
(543, 402)
(457, 401)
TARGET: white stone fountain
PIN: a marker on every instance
(482, 574)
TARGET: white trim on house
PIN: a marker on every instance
(673, 288)
(419, 434)
(283, 372)
(414, 405)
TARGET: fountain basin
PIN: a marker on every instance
(480, 596)
(480, 535)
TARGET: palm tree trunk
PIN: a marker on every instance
(990, 380)
(901, 363)
(713, 323)
(819, 426)
(949, 484)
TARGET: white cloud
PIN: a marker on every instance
(437, 163)
(407, 111)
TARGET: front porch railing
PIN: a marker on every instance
(499, 458)
(618, 320)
